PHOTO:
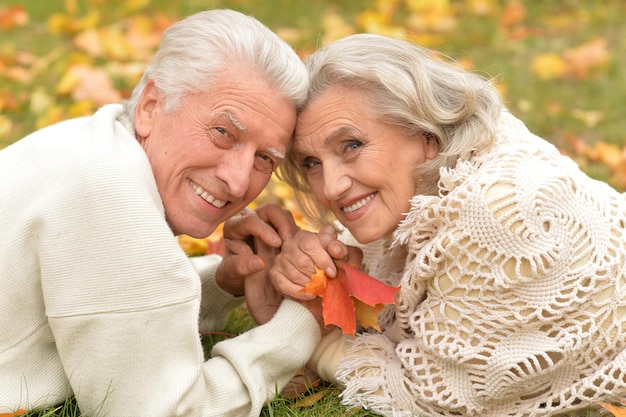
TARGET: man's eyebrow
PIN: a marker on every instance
(276, 153)
(241, 127)
(234, 120)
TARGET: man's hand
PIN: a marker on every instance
(252, 241)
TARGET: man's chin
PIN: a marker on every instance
(198, 231)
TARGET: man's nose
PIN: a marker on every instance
(235, 170)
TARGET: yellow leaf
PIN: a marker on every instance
(193, 246)
(481, 7)
(372, 21)
(309, 400)
(71, 6)
(367, 315)
(335, 27)
(549, 66)
(52, 115)
(68, 82)
(427, 5)
(131, 6)
(590, 117)
(5, 126)
(387, 8)
(81, 108)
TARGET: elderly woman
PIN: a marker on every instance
(97, 299)
(510, 259)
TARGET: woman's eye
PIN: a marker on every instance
(352, 145)
(308, 163)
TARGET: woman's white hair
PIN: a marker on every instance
(409, 86)
(195, 49)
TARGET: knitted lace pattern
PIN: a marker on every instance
(513, 299)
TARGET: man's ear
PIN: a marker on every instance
(145, 113)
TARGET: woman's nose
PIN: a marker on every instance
(336, 180)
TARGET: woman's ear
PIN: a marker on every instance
(431, 145)
(146, 111)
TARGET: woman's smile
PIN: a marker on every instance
(346, 152)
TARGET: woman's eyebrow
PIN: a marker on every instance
(342, 131)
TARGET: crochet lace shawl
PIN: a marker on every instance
(513, 299)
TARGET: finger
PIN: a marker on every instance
(306, 252)
(286, 287)
(241, 266)
(238, 247)
(280, 219)
(327, 234)
(355, 255)
(338, 250)
(250, 224)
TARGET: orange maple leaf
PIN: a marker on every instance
(616, 411)
(351, 297)
(13, 414)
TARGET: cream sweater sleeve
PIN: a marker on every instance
(216, 303)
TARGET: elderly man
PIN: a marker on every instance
(97, 300)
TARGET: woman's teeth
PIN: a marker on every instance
(358, 204)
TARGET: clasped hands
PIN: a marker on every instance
(269, 258)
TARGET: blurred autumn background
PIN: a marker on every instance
(560, 64)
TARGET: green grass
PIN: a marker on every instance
(549, 108)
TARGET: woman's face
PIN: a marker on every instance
(358, 167)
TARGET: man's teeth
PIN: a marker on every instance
(358, 204)
(208, 197)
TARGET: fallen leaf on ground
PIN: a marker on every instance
(13, 414)
(616, 411)
(309, 400)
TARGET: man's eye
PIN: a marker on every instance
(265, 163)
(221, 138)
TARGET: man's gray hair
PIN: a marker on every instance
(194, 50)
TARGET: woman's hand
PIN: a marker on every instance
(301, 255)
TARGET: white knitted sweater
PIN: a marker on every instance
(98, 300)
(513, 299)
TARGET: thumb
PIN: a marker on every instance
(253, 264)
(327, 234)
(240, 266)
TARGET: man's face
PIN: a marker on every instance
(215, 155)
